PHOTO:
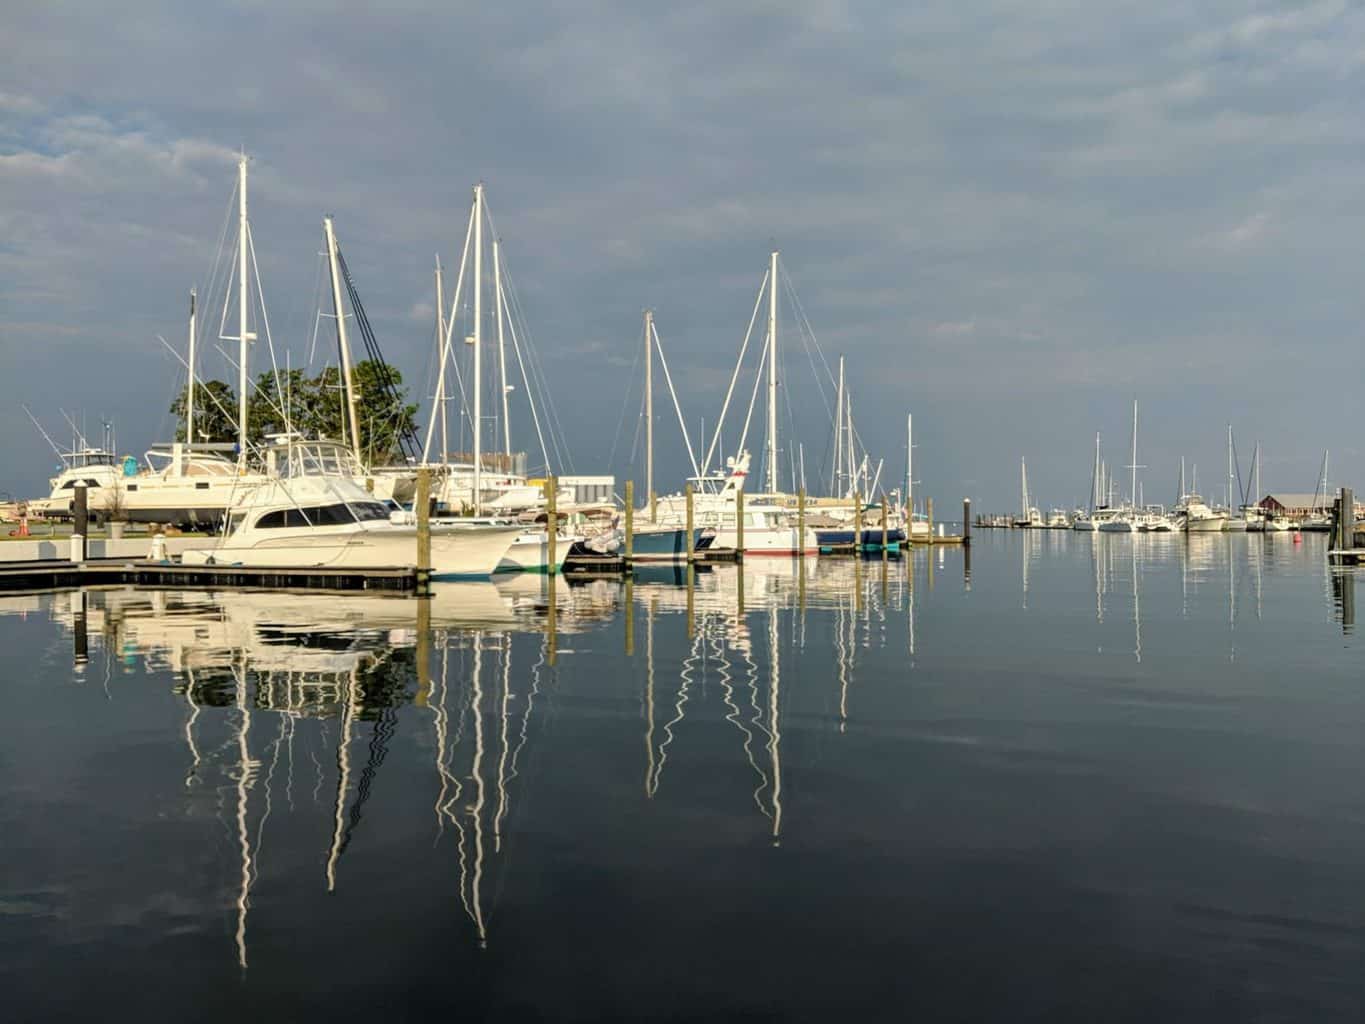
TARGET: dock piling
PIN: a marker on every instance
(885, 509)
(801, 522)
(422, 504)
(929, 514)
(857, 523)
(739, 524)
(80, 522)
(691, 553)
(630, 520)
(966, 520)
(551, 528)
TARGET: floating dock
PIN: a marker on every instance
(56, 574)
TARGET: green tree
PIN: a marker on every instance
(215, 412)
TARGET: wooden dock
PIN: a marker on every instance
(54, 574)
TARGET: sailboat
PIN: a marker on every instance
(1233, 523)
(1127, 520)
(1029, 517)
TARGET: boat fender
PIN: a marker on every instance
(1298, 537)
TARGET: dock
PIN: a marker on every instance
(62, 574)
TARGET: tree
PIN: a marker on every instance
(215, 413)
(315, 407)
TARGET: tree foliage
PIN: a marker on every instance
(313, 406)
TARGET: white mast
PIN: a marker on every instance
(502, 356)
(243, 337)
(1095, 476)
(849, 467)
(1229, 469)
(189, 394)
(343, 343)
(1256, 488)
(772, 375)
(1023, 489)
(838, 432)
(909, 472)
(441, 379)
(1182, 479)
(649, 407)
(1132, 493)
(478, 338)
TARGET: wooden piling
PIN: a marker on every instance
(630, 520)
(884, 525)
(80, 522)
(1348, 517)
(857, 522)
(687, 495)
(739, 524)
(653, 508)
(801, 522)
(422, 504)
(929, 514)
(966, 520)
(551, 529)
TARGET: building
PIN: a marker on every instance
(1298, 505)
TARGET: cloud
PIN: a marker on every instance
(986, 207)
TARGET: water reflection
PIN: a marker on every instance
(737, 682)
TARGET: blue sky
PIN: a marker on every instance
(1011, 218)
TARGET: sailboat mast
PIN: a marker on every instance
(649, 406)
(849, 468)
(478, 338)
(189, 393)
(772, 374)
(502, 355)
(343, 343)
(1095, 476)
(242, 336)
(909, 471)
(1023, 489)
(838, 432)
(1132, 493)
(441, 377)
(1229, 502)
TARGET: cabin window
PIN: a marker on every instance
(316, 515)
(369, 510)
(235, 521)
(132, 487)
(201, 487)
(92, 483)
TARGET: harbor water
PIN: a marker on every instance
(1056, 776)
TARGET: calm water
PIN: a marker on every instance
(1089, 778)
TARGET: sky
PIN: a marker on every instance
(1012, 219)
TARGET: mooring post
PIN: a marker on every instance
(1348, 517)
(422, 503)
(801, 522)
(687, 495)
(739, 525)
(630, 521)
(80, 522)
(884, 527)
(966, 520)
(551, 528)
(857, 522)
(929, 513)
(653, 508)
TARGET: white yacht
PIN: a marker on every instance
(99, 470)
(312, 513)
(1199, 518)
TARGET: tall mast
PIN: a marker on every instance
(649, 407)
(849, 468)
(478, 338)
(189, 394)
(243, 337)
(772, 374)
(909, 473)
(441, 378)
(1183, 492)
(1095, 476)
(1132, 493)
(838, 432)
(1023, 488)
(1256, 487)
(339, 310)
(1229, 467)
(502, 355)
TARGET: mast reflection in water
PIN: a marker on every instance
(795, 788)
